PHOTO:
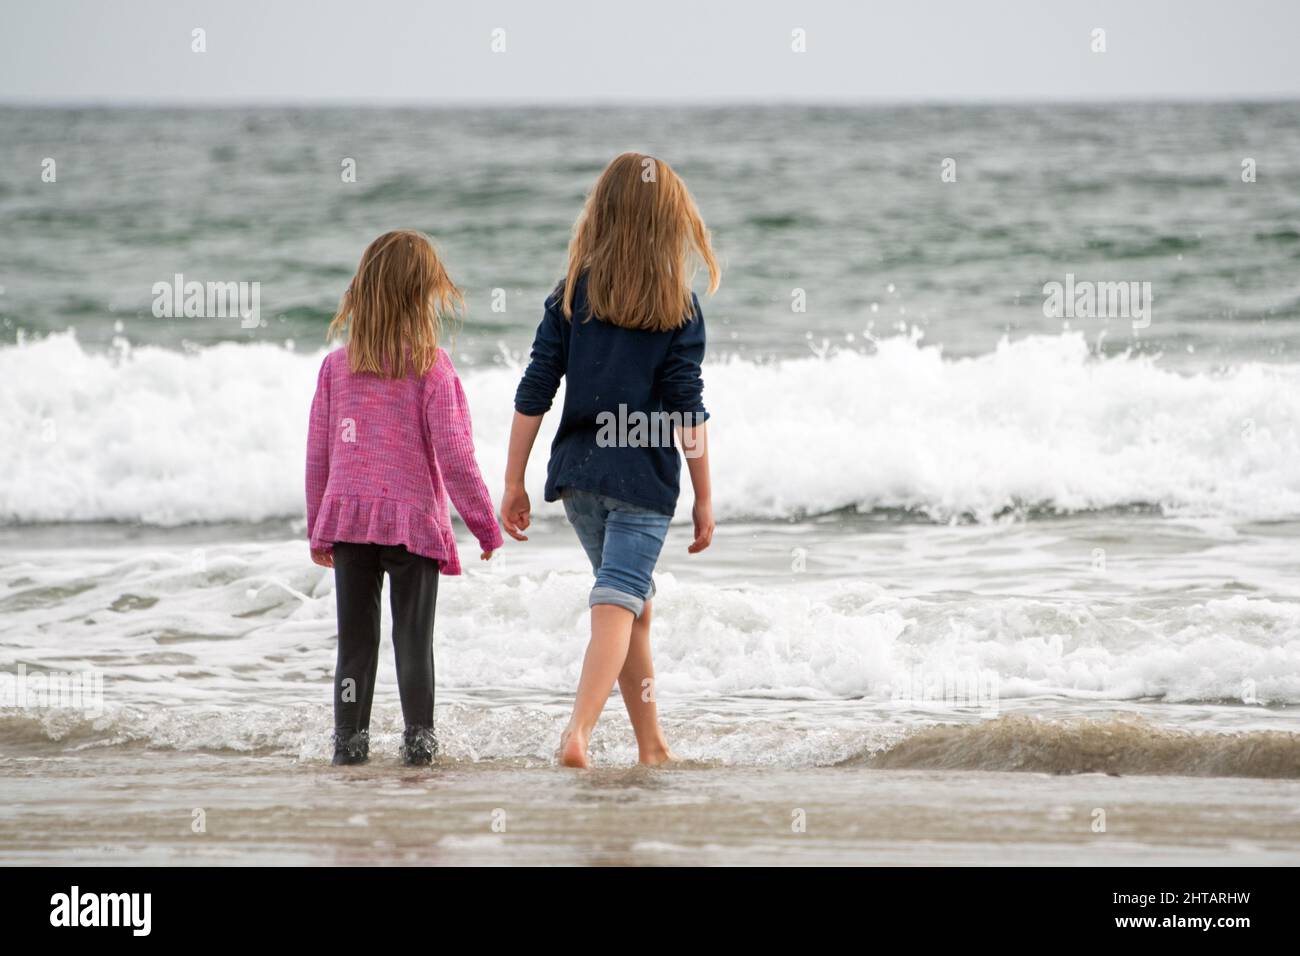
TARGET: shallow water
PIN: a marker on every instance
(198, 809)
(881, 629)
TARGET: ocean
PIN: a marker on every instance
(982, 570)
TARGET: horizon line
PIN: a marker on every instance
(145, 103)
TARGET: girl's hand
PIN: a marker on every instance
(486, 555)
(702, 515)
(515, 511)
(324, 558)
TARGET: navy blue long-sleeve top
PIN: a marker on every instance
(615, 376)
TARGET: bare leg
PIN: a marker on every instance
(611, 632)
(636, 684)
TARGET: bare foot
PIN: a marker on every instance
(573, 750)
(658, 757)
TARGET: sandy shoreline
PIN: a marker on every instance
(141, 807)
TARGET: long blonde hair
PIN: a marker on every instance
(638, 239)
(392, 312)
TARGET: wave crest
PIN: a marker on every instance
(165, 437)
(1115, 746)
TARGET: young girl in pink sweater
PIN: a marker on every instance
(388, 443)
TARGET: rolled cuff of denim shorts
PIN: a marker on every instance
(604, 595)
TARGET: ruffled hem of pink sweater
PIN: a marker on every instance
(383, 521)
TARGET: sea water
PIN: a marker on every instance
(958, 532)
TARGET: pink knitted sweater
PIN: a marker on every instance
(384, 455)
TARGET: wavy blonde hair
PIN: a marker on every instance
(639, 239)
(391, 315)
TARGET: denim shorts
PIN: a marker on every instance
(623, 542)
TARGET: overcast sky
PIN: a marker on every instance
(272, 51)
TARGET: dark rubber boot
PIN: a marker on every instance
(350, 749)
(419, 746)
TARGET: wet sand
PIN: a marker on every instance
(129, 808)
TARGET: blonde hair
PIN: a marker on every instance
(392, 312)
(639, 239)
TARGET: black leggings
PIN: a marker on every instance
(358, 584)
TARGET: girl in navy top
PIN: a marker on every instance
(626, 331)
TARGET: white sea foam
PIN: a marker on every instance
(231, 648)
(255, 623)
(166, 437)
